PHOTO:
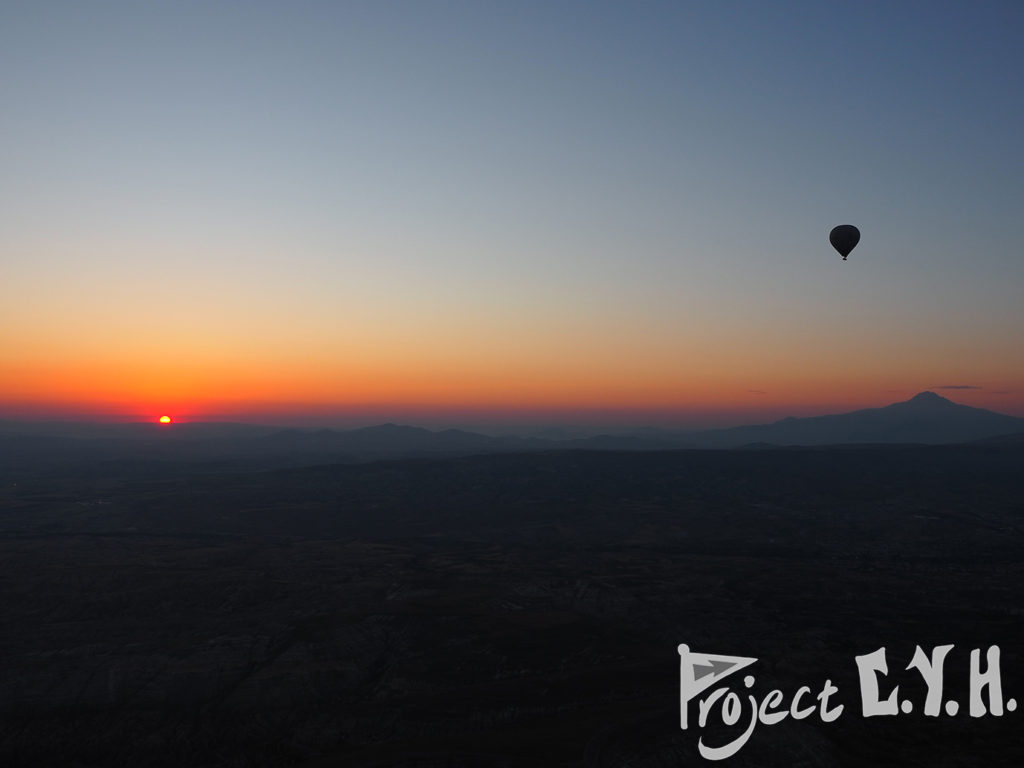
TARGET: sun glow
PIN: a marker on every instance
(165, 419)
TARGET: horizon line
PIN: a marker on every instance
(465, 419)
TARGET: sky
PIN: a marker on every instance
(496, 211)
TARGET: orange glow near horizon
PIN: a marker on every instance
(594, 371)
(474, 395)
(303, 252)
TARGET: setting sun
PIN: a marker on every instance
(165, 419)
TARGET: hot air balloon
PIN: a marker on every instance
(844, 239)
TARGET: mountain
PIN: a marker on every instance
(925, 418)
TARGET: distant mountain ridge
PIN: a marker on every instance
(926, 418)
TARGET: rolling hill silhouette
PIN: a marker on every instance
(926, 418)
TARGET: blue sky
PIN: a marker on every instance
(598, 186)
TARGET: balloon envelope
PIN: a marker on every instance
(844, 239)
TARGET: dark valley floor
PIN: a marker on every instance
(507, 610)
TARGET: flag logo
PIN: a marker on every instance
(700, 671)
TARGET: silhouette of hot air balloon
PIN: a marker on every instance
(844, 239)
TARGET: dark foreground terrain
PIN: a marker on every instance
(512, 610)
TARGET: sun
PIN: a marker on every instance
(165, 419)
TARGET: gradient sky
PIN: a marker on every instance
(485, 211)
